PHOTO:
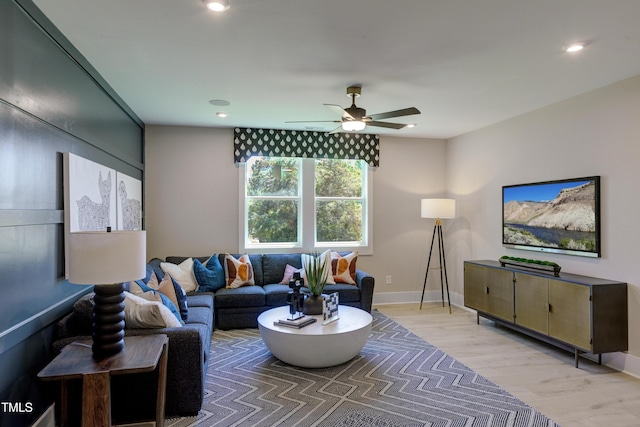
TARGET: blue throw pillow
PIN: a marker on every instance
(210, 278)
(181, 296)
(165, 299)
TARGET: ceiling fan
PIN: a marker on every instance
(355, 118)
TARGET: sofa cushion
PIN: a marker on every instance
(210, 278)
(200, 300)
(276, 294)
(201, 315)
(245, 296)
(238, 271)
(274, 266)
(348, 293)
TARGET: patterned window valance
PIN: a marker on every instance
(249, 142)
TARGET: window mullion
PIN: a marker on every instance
(308, 219)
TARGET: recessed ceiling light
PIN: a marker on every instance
(219, 102)
(576, 47)
(222, 114)
(217, 5)
(411, 125)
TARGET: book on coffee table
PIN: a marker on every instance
(297, 323)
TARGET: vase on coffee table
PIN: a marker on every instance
(313, 304)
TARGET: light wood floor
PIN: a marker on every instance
(543, 376)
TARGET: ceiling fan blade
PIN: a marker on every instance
(341, 111)
(313, 121)
(336, 130)
(387, 125)
(396, 113)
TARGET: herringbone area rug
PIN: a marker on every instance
(398, 379)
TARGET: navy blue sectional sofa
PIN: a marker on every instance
(240, 307)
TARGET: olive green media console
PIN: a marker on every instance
(578, 313)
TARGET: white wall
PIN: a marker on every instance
(597, 133)
(191, 202)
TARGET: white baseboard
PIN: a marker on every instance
(619, 361)
(414, 297)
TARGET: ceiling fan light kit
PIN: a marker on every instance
(353, 125)
(217, 5)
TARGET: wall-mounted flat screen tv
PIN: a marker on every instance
(554, 216)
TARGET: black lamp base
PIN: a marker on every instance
(108, 320)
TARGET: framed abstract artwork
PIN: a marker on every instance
(129, 203)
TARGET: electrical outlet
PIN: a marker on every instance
(388, 280)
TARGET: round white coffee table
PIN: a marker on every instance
(316, 345)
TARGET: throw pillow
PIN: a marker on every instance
(344, 267)
(176, 294)
(238, 272)
(138, 288)
(325, 258)
(153, 281)
(288, 274)
(140, 313)
(182, 273)
(210, 278)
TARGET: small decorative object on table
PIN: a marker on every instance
(298, 323)
(534, 264)
(295, 298)
(330, 312)
(317, 271)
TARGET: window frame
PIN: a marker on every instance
(307, 216)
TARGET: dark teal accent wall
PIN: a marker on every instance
(51, 101)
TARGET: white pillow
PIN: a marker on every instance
(325, 258)
(182, 273)
(140, 313)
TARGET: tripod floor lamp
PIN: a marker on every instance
(439, 209)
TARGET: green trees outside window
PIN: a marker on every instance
(275, 196)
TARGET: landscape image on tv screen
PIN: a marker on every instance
(556, 216)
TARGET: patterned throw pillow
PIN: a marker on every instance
(238, 272)
(176, 294)
(210, 277)
(344, 267)
(182, 273)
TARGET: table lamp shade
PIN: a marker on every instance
(101, 257)
(107, 259)
(438, 208)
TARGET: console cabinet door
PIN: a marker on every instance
(500, 293)
(475, 287)
(570, 314)
(532, 302)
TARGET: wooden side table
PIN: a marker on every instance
(142, 353)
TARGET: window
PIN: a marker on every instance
(294, 203)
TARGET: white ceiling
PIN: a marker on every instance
(464, 64)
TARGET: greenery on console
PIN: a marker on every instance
(530, 261)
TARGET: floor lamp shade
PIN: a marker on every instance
(107, 259)
(438, 208)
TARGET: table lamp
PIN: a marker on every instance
(107, 259)
(439, 209)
